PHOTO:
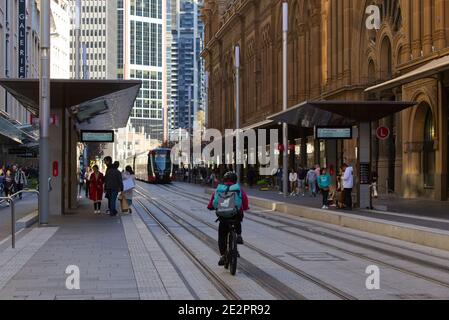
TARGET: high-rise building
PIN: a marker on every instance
(143, 55)
(19, 50)
(188, 74)
(98, 39)
(60, 39)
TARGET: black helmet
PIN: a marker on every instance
(230, 177)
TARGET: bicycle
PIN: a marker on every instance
(232, 253)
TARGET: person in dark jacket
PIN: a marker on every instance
(113, 184)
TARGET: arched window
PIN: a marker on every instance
(429, 151)
(386, 59)
(371, 72)
(391, 10)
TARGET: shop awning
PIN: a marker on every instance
(258, 125)
(95, 104)
(338, 113)
(427, 70)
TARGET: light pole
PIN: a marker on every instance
(285, 96)
(237, 112)
(44, 115)
(190, 132)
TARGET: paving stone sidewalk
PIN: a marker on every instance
(95, 244)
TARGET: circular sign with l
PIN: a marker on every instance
(383, 133)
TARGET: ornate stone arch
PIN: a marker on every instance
(391, 27)
(417, 114)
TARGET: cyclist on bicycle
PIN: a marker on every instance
(229, 185)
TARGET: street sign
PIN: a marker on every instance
(331, 133)
(383, 133)
(365, 173)
(105, 136)
(28, 155)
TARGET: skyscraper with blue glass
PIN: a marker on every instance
(187, 68)
(142, 55)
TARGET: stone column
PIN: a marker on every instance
(406, 49)
(334, 37)
(441, 154)
(427, 40)
(416, 31)
(56, 152)
(440, 21)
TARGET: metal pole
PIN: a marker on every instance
(44, 114)
(237, 112)
(77, 39)
(13, 223)
(190, 131)
(285, 93)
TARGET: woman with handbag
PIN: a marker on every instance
(96, 182)
(129, 183)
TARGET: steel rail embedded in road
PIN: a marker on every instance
(352, 242)
(337, 292)
(271, 284)
(222, 287)
(380, 250)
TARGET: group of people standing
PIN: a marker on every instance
(111, 185)
(318, 180)
(12, 180)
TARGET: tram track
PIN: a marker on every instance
(218, 283)
(212, 243)
(396, 255)
(314, 225)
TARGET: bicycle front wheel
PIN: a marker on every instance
(233, 253)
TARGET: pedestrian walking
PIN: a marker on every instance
(113, 184)
(20, 180)
(311, 180)
(80, 183)
(279, 177)
(2, 181)
(317, 170)
(348, 184)
(302, 174)
(8, 184)
(87, 180)
(374, 192)
(293, 178)
(324, 182)
(129, 184)
(96, 182)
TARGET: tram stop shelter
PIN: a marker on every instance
(75, 105)
(311, 114)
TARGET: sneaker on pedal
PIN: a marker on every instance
(239, 239)
(222, 261)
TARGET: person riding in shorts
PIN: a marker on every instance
(240, 199)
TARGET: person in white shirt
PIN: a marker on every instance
(293, 177)
(348, 185)
(129, 183)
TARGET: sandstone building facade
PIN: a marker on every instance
(333, 56)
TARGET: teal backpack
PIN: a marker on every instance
(228, 200)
